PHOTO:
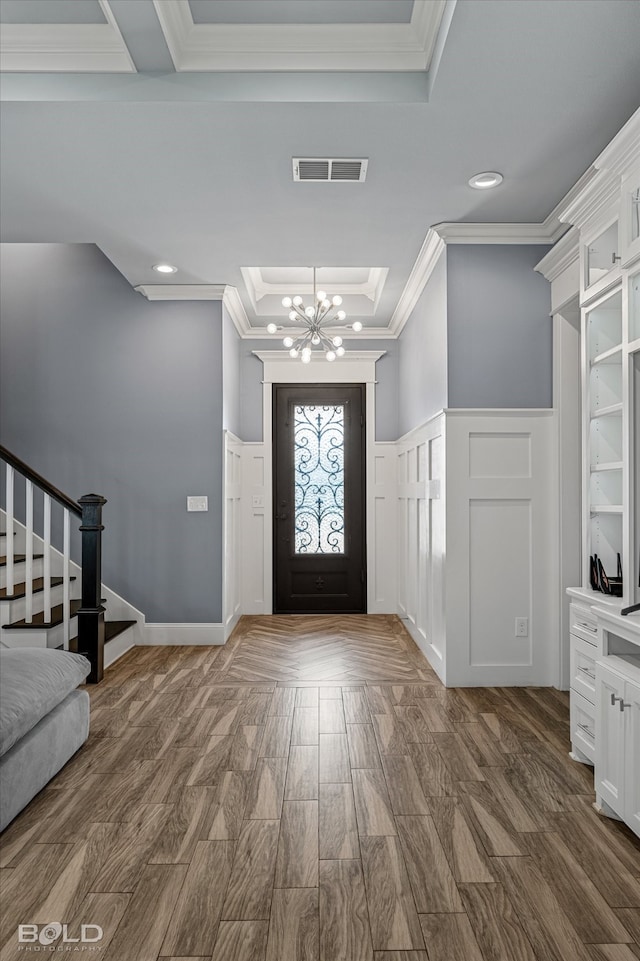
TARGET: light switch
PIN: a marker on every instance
(197, 503)
(257, 500)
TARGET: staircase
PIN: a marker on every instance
(46, 599)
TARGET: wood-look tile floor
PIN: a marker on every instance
(311, 792)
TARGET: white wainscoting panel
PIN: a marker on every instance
(421, 538)
(502, 547)
(256, 527)
(381, 528)
(477, 545)
(232, 533)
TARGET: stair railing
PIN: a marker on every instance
(88, 509)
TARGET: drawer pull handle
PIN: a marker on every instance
(614, 698)
(588, 627)
(586, 729)
(623, 704)
(591, 674)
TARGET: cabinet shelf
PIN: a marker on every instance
(606, 411)
(606, 508)
(612, 465)
(608, 356)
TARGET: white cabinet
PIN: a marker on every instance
(585, 649)
(617, 738)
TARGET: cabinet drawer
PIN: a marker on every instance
(584, 624)
(583, 668)
(583, 725)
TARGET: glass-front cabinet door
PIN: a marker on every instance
(630, 219)
(600, 256)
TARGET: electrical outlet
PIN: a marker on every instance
(522, 627)
(197, 503)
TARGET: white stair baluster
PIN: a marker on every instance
(28, 577)
(47, 557)
(66, 550)
(9, 537)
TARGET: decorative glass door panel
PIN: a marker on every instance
(319, 499)
(319, 479)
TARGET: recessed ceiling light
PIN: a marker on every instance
(165, 268)
(483, 181)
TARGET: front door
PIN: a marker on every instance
(319, 499)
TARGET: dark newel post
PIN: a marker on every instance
(91, 613)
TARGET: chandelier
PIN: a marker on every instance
(316, 318)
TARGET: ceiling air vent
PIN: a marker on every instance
(329, 170)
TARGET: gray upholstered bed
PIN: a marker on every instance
(43, 720)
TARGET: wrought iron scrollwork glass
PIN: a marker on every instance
(319, 479)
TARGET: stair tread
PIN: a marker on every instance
(111, 629)
(38, 622)
(20, 590)
(18, 558)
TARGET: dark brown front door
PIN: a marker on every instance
(319, 499)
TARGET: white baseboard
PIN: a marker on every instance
(182, 635)
(433, 657)
(118, 647)
(230, 625)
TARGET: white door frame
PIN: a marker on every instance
(356, 368)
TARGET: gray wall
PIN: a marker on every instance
(102, 391)
(251, 373)
(231, 344)
(499, 328)
(422, 363)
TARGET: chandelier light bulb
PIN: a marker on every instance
(321, 295)
(330, 355)
(287, 342)
(309, 311)
(272, 328)
(357, 326)
(340, 351)
(337, 300)
(341, 315)
(286, 301)
(293, 353)
(315, 340)
(306, 358)
(297, 300)
(337, 341)
(326, 303)
(293, 315)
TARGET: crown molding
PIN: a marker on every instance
(565, 252)
(231, 301)
(300, 47)
(593, 203)
(65, 47)
(224, 292)
(182, 291)
(468, 233)
(553, 222)
(624, 150)
(430, 253)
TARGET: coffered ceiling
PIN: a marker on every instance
(164, 130)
